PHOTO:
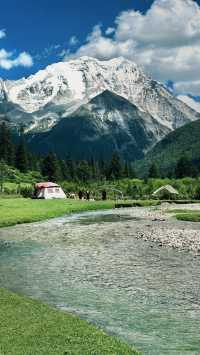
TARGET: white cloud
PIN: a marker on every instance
(110, 31)
(192, 87)
(24, 59)
(165, 41)
(8, 61)
(101, 47)
(2, 34)
(73, 41)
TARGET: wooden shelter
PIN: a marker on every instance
(166, 191)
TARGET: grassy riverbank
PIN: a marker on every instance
(28, 327)
(18, 210)
(189, 216)
(186, 215)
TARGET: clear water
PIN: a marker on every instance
(146, 295)
(103, 218)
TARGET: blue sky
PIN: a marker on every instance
(38, 26)
(162, 36)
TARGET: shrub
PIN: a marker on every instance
(27, 191)
(197, 193)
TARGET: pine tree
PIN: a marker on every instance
(183, 168)
(3, 173)
(132, 173)
(197, 192)
(64, 170)
(6, 145)
(95, 170)
(71, 168)
(22, 154)
(34, 162)
(153, 171)
(84, 171)
(102, 169)
(51, 168)
(115, 167)
(129, 171)
(126, 170)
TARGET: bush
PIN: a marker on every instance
(26, 192)
(197, 193)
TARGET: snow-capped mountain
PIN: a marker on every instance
(57, 91)
(41, 101)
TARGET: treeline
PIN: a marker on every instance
(15, 153)
(183, 168)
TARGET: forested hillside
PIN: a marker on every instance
(181, 145)
(15, 153)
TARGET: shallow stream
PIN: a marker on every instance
(146, 295)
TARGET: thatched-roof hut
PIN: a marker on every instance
(166, 191)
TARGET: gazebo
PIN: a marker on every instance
(166, 191)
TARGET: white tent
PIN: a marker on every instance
(167, 189)
(48, 191)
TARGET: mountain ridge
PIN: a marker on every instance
(107, 123)
(183, 142)
(43, 100)
(62, 87)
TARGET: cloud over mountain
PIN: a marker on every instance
(8, 59)
(165, 41)
(2, 34)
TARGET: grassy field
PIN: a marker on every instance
(138, 203)
(19, 210)
(190, 216)
(28, 327)
(186, 215)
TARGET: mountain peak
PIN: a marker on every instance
(113, 61)
(61, 88)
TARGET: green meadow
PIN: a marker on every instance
(20, 210)
(28, 327)
(186, 214)
(192, 216)
(25, 210)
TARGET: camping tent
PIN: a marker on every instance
(166, 191)
(48, 190)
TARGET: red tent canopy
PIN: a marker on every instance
(44, 185)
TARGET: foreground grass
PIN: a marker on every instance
(138, 203)
(28, 327)
(19, 210)
(190, 217)
(186, 215)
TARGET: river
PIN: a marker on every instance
(92, 264)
